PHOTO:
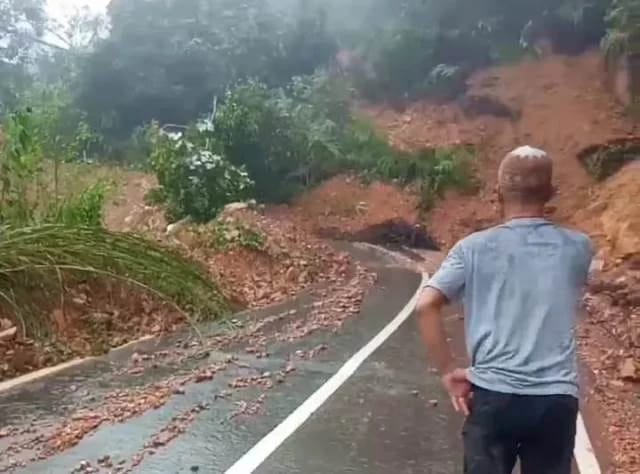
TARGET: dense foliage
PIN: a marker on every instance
(287, 140)
(173, 58)
(623, 35)
(36, 140)
(167, 61)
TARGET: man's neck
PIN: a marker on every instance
(510, 217)
(524, 212)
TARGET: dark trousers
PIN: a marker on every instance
(540, 430)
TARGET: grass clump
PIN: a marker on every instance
(226, 235)
(604, 160)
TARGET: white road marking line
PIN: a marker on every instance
(247, 464)
(583, 452)
(50, 371)
(267, 445)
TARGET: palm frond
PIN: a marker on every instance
(34, 260)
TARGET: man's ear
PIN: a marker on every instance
(499, 194)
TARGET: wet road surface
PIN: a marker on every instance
(391, 416)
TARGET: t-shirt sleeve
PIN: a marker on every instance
(450, 278)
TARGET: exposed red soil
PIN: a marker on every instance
(563, 108)
(612, 217)
(347, 204)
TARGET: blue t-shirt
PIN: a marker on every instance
(521, 284)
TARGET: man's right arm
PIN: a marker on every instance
(445, 287)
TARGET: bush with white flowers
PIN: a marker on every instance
(197, 182)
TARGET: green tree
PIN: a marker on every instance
(167, 60)
(21, 24)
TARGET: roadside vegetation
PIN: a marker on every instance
(228, 101)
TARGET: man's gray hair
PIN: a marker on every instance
(526, 174)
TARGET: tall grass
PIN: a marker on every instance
(44, 259)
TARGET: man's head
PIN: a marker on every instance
(525, 178)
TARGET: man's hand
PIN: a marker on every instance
(457, 384)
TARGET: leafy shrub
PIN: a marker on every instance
(445, 82)
(196, 181)
(254, 133)
(287, 140)
(85, 210)
(226, 235)
(59, 129)
(432, 170)
(155, 197)
(400, 62)
(20, 163)
(623, 35)
(286, 136)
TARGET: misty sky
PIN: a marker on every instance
(60, 8)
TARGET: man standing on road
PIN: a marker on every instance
(521, 284)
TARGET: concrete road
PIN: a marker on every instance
(389, 417)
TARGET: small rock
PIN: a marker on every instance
(136, 371)
(629, 370)
(173, 229)
(235, 207)
(8, 334)
(433, 403)
(597, 207)
(195, 468)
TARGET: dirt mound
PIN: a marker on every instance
(263, 260)
(256, 259)
(613, 215)
(350, 205)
